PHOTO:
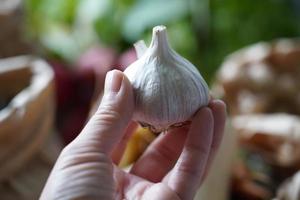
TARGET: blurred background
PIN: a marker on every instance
(248, 52)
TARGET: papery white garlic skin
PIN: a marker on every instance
(168, 88)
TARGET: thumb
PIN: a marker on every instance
(78, 170)
(106, 127)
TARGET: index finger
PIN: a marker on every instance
(186, 175)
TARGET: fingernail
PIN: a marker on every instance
(219, 102)
(113, 81)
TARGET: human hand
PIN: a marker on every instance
(172, 167)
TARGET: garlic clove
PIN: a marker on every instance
(168, 88)
(140, 48)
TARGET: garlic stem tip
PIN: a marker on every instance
(160, 28)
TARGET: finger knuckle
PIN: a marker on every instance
(199, 150)
(187, 169)
(106, 115)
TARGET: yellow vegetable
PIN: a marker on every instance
(136, 145)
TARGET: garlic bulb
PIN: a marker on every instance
(168, 88)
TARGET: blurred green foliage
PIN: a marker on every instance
(202, 31)
(236, 23)
(43, 13)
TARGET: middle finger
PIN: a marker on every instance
(160, 157)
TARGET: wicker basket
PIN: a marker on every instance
(261, 85)
(26, 121)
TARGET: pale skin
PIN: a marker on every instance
(172, 167)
